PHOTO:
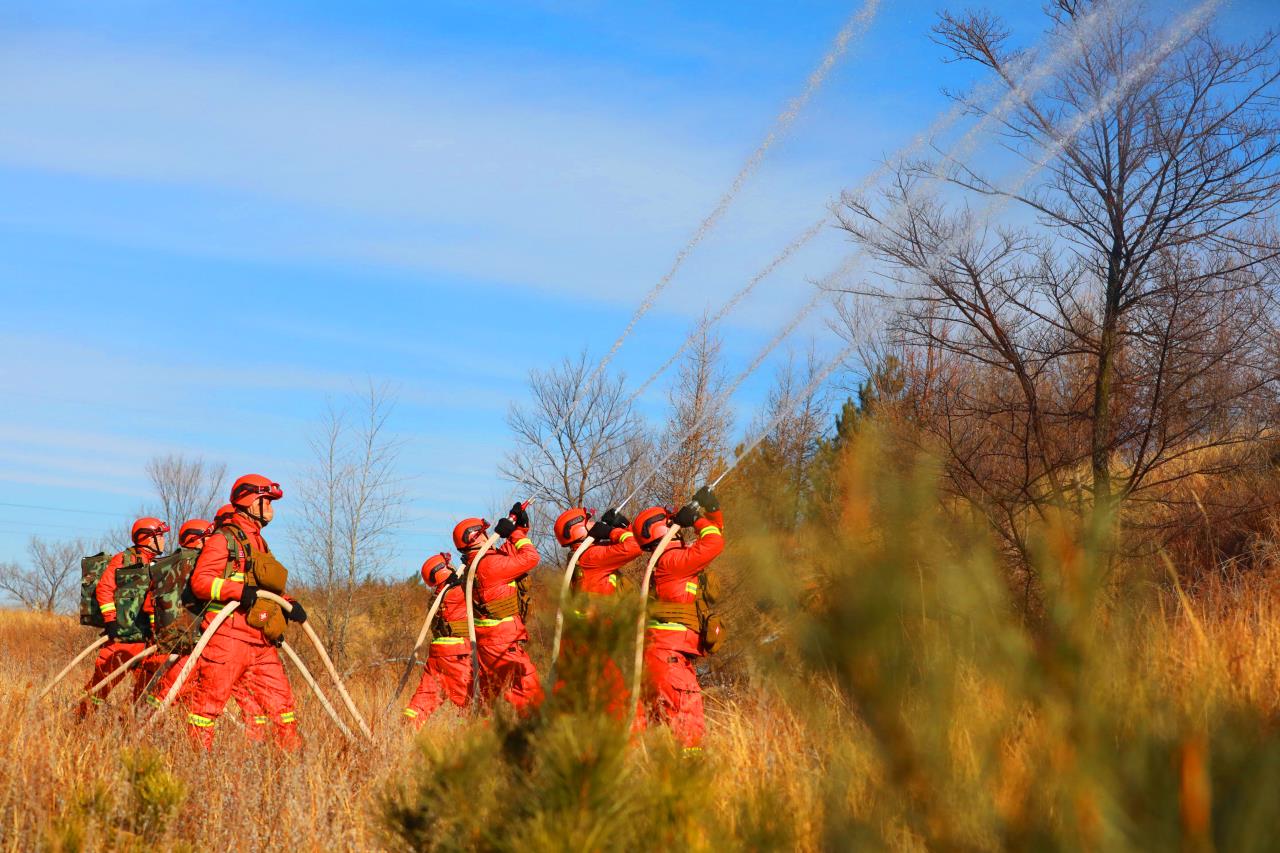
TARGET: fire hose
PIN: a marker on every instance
(88, 650)
(122, 669)
(221, 617)
(644, 603)
(471, 615)
(315, 688)
(190, 664)
(324, 657)
(565, 583)
(413, 655)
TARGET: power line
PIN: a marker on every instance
(65, 509)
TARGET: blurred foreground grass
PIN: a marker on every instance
(887, 693)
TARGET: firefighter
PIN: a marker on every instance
(122, 596)
(241, 653)
(681, 628)
(596, 579)
(501, 601)
(448, 672)
(192, 534)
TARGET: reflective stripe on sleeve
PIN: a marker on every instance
(215, 593)
(709, 529)
(409, 712)
(288, 717)
(625, 536)
(261, 720)
(201, 721)
(154, 701)
(450, 641)
(691, 587)
(666, 626)
(109, 608)
(489, 623)
(522, 542)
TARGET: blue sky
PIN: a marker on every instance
(214, 218)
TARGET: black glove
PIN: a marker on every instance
(687, 515)
(615, 518)
(297, 614)
(456, 579)
(519, 515)
(112, 630)
(706, 499)
(504, 528)
(600, 531)
(248, 598)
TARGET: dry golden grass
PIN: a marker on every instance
(65, 783)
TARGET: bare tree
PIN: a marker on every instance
(1128, 332)
(351, 501)
(187, 488)
(586, 459)
(50, 583)
(780, 468)
(697, 431)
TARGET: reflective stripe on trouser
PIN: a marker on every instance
(445, 677)
(230, 666)
(673, 694)
(255, 720)
(110, 657)
(505, 667)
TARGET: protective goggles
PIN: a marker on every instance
(272, 492)
(474, 532)
(158, 530)
(194, 533)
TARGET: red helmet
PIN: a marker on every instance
(223, 515)
(572, 525)
(651, 525)
(193, 529)
(435, 563)
(148, 526)
(469, 533)
(250, 487)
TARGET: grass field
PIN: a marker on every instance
(887, 697)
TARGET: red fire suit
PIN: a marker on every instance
(597, 575)
(237, 653)
(114, 653)
(255, 717)
(674, 695)
(505, 666)
(448, 672)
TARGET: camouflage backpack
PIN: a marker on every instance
(91, 569)
(178, 611)
(132, 580)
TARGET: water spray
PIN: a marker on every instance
(1004, 196)
(1017, 95)
(854, 27)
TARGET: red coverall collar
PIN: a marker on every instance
(246, 523)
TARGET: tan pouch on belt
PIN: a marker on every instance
(270, 574)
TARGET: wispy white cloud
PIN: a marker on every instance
(474, 176)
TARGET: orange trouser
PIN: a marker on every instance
(111, 657)
(596, 678)
(674, 695)
(229, 664)
(506, 670)
(255, 717)
(447, 676)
